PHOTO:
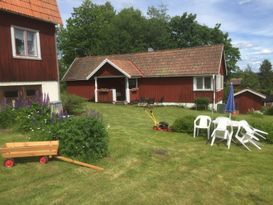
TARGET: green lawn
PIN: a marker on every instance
(145, 167)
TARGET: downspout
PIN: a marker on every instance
(214, 92)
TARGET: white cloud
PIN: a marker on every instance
(243, 44)
(242, 2)
(264, 51)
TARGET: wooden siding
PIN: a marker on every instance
(84, 89)
(108, 70)
(222, 68)
(219, 96)
(12, 69)
(247, 101)
(176, 89)
(105, 96)
(134, 95)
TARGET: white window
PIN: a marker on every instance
(219, 82)
(202, 83)
(25, 43)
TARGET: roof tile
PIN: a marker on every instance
(46, 10)
(166, 63)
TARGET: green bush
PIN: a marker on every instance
(72, 104)
(83, 138)
(7, 118)
(35, 117)
(184, 124)
(201, 103)
(264, 125)
(269, 111)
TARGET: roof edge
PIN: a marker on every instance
(63, 78)
(251, 91)
(106, 60)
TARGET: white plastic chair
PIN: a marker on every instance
(222, 131)
(244, 137)
(255, 133)
(202, 122)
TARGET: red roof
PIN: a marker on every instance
(46, 10)
(128, 67)
(204, 60)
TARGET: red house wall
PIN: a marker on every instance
(108, 70)
(174, 89)
(247, 101)
(12, 69)
(84, 89)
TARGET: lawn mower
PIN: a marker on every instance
(160, 126)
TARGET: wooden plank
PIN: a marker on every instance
(79, 163)
(29, 154)
(29, 144)
(18, 149)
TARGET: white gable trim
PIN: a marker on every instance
(102, 64)
(251, 91)
(69, 68)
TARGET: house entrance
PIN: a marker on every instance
(117, 83)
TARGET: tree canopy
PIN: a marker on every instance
(99, 30)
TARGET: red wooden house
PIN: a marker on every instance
(171, 76)
(247, 100)
(28, 58)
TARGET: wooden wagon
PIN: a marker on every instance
(43, 149)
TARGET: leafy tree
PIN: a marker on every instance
(128, 31)
(187, 32)
(99, 30)
(85, 31)
(266, 77)
(158, 34)
(159, 13)
(250, 79)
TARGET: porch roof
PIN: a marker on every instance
(205, 60)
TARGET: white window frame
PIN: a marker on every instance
(136, 79)
(203, 80)
(219, 85)
(38, 57)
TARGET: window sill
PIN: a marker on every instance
(203, 90)
(27, 58)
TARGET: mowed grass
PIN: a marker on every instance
(145, 167)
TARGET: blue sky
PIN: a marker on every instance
(248, 22)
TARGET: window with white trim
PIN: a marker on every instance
(202, 83)
(133, 83)
(25, 43)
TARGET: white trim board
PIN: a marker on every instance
(251, 91)
(102, 64)
(48, 87)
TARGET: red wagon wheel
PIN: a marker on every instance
(9, 163)
(43, 160)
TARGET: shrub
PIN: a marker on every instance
(7, 118)
(184, 124)
(72, 104)
(269, 111)
(83, 138)
(32, 118)
(264, 125)
(202, 103)
(93, 114)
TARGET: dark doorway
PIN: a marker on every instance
(114, 83)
